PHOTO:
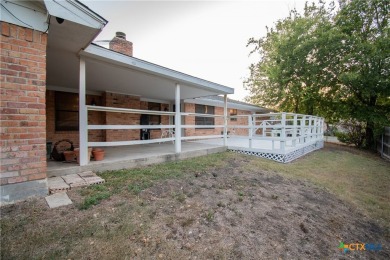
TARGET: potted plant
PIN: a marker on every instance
(69, 155)
(98, 154)
(77, 154)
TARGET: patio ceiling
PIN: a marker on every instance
(114, 72)
(110, 71)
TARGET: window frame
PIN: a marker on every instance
(61, 109)
(233, 114)
(202, 120)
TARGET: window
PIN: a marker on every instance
(67, 111)
(201, 120)
(233, 112)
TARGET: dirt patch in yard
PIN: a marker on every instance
(219, 213)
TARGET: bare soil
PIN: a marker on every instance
(221, 213)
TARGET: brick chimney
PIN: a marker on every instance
(120, 44)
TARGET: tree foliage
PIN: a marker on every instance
(332, 60)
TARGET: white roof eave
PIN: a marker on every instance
(115, 58)
(76, 12)
(30, 14)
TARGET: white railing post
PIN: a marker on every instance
(177, 120)
(310, 127)
(250, 130)
(264, 128)
(283, 133)
(225, 121)
(295, 125)
(83, 115)
(304, 129)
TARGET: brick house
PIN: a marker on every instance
(56, 84)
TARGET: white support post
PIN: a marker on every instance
(283, 133)
(177, 120)
(225, 121)
(250, 130)
(83, 116)
(310, 127)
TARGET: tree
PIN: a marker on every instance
(328, 62)
(364, 73)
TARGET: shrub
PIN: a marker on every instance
(353, 133)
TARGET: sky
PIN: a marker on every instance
(205, 39)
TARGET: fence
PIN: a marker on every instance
(384, 144)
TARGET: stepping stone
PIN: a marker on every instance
(58, 199)
(57, 184)
(74, 180)
(91, 178)
(87, 174)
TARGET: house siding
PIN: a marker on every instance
(23, 109)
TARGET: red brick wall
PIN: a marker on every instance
(94, 117)
(22, 114)
(240, 121)
(101, 118)
(190, 120)
(121, 101)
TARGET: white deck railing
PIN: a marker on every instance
(282, 129)
(287, 129)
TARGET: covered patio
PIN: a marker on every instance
(98, 71)
(102, 71)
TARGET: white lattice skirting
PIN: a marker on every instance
(284, 158)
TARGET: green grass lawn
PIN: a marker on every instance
(138, 212)
(358, 177)
(133, 181)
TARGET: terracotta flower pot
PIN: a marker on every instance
(98, 154)
(69, 156)
(77, 154)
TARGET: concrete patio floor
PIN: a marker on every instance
(122, 157)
